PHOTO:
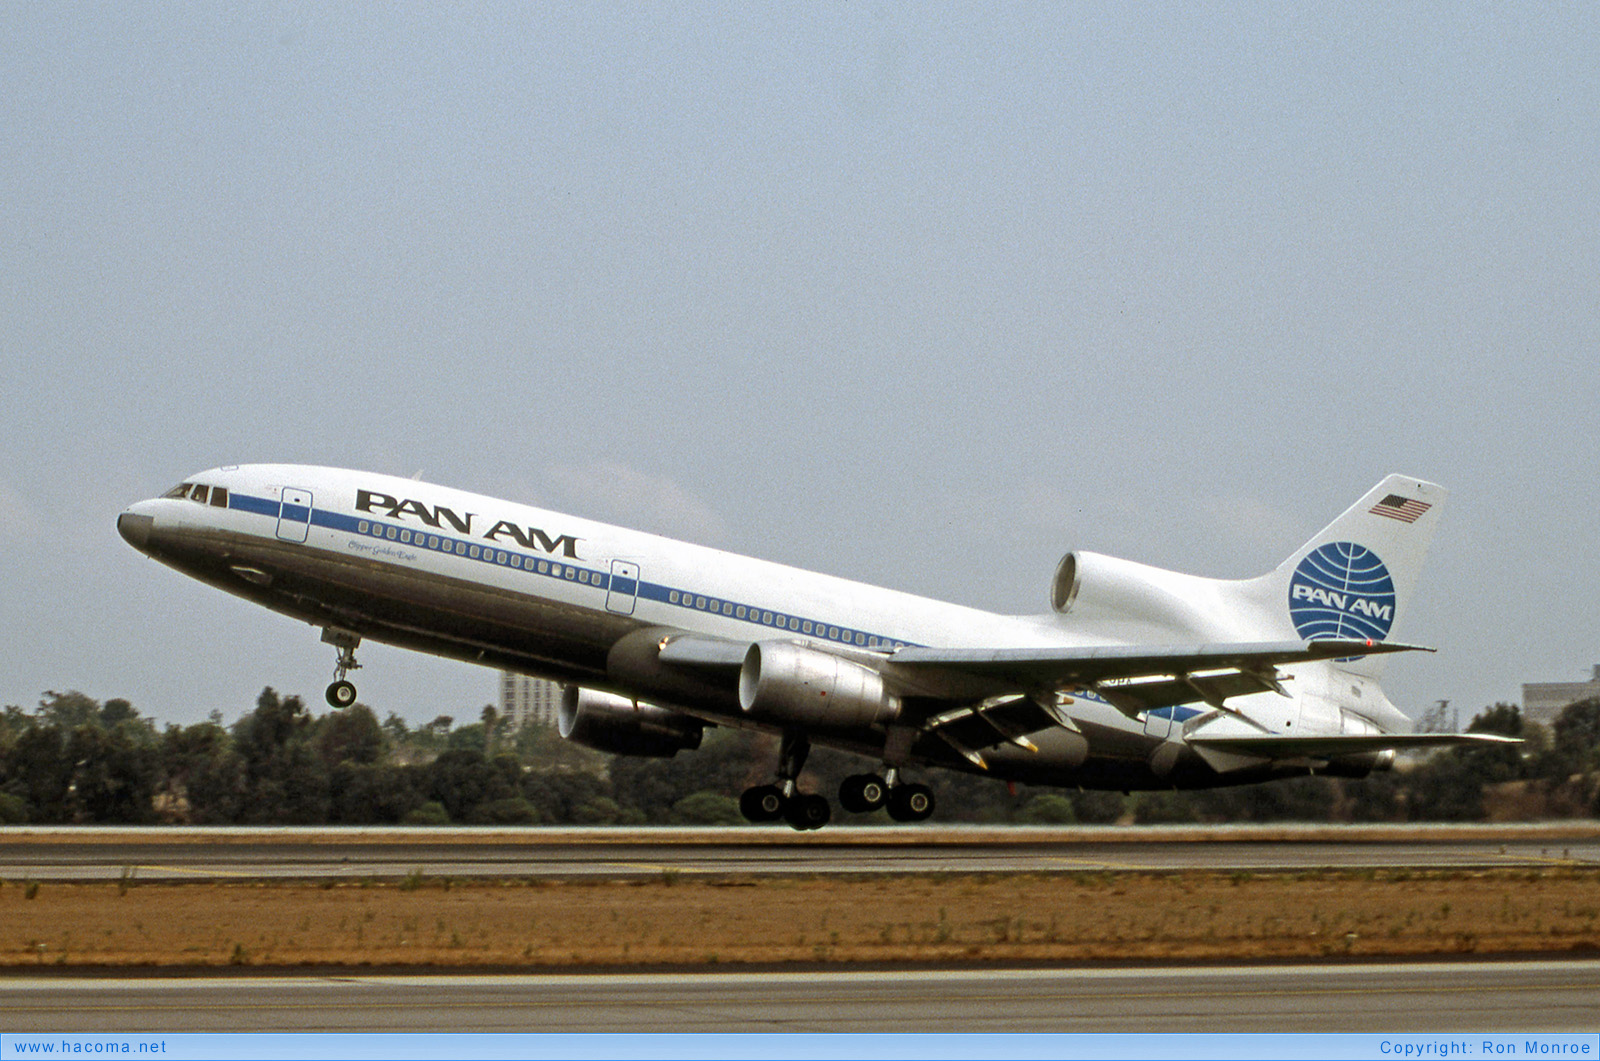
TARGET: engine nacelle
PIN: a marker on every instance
(783, 682)
(1107, 588)
(1359, 766)
(621, 726)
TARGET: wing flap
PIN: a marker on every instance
(1004, 720)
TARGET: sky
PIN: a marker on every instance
(922, 295)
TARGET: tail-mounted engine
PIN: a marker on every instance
(621, 726)
(783, 682)
(1107, 588)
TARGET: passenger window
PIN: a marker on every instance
(727, 609)
(544, 567)
(361, 528)
(499, 558)
(433, 541)
(219, 497)
(405, 536)
(472, 551)
(805, 627)
(516, 561)
(766, 617)
(672, 598)
(738, 613)
(833, 632)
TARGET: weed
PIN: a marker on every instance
(411, 881)
(240, 956)
(30, 889)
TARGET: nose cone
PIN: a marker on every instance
(135, 529)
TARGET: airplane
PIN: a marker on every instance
(1137, 678)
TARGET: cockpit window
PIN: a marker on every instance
(217, 496)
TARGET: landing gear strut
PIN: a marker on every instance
(864, 793)
(342, 694)
(767, 803)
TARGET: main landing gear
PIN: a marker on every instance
(858, 793)
(341, 693)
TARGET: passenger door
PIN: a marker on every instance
(294, 514)
(623, 592)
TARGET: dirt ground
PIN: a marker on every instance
(1191, 915)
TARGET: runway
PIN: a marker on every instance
(1413, 997)
(86, 854)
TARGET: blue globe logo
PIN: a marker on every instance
(1342, 590)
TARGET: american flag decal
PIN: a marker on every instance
(1401, 508)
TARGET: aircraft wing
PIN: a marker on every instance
(1134, 678)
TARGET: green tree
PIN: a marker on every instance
(1576, 736)
(40, 774)
(286, 781)
(67, 711)
(460, 779)
(114, 773)
(349, 736)
(706, 808)
(376, 793)
(1047, 808)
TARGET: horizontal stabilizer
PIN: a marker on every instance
(1233, 752)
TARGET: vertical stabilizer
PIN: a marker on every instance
(1354, 579)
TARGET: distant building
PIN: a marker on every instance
(528, 701)
(1543, 701)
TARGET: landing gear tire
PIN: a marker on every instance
(341, 694)
(807, 811)
(911, 803)
(863, 793)
(763, 803)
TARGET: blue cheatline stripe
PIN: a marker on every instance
(562, 570)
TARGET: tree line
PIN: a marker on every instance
(76, 760)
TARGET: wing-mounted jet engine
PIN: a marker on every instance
(620, 726)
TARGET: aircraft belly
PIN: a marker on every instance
(406, 606)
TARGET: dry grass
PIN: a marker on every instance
(1190, 915)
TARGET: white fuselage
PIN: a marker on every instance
(535, 591)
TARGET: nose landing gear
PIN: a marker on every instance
(341, 693)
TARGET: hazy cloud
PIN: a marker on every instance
(19, 521)
(617, 493)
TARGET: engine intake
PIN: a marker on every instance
(1101, 587)
(620, 726)
(783, 682)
